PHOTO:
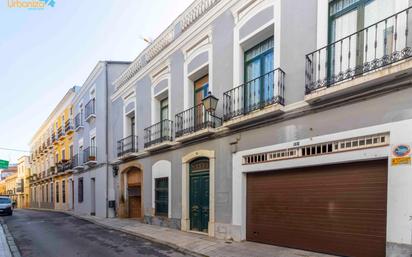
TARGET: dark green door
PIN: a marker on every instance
(199, 195)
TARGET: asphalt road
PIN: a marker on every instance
(53, 234)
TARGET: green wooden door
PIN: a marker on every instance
(199, 195)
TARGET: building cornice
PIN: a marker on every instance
(193, 13)
(202, 22)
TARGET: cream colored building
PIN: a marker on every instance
(22, 182)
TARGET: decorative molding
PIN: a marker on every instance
(195, 11)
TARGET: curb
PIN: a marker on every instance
(14, 250)
(152, 239)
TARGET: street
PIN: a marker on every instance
(43, 234)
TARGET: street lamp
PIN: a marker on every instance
(210, 102)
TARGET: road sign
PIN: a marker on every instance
(4, 164)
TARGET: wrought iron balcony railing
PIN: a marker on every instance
(378, 45)
(90, 109)
(60, 132)
(69, 126)
(54, 137)
(195, 119)
(255, 94)
(78, 121)
(78, 160)
(127, 145)
(90, 154)
(51, 170)
(158, 133)
(64, 165)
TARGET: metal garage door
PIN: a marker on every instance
(337, 209)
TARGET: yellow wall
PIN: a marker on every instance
(68, 140)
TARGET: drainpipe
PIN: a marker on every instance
(107, 140)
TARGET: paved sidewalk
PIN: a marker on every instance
(197, 244)
(4, 247)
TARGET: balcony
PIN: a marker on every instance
(78, 162)
(126, 147)
(51, 170)
(195, 122)
(90, 110)
(61, 133)
(54, 138)
(159, 136)
(69, 127)
(78, 122)
(257, 99)
(90, 156)
(64, 165)
(371, 58)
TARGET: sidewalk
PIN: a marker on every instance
(4, 247)
(197, 244)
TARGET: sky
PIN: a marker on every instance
(45, 52)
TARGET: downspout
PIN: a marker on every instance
(107, 140)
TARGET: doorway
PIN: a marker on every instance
(134, 193)
(93, 196)
(199, 195)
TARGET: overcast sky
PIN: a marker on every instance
(45, 52)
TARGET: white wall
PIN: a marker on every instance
(162, 169)
(399, 205)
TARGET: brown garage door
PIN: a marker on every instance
(337, 209)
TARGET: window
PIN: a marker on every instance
(132, 125)
(71, 152)
(80, 190)
(164, 109)
(201, 88)
(93, 141)
(161, 196)
(57, 192)
(47, 193)
(63, 154)
(57, 158)
(63, 191)
(259, 78)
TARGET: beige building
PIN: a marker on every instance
(22, 182)
(10, 187)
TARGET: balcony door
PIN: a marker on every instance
(259, 86)
(132, 125)
(164, 115)
(201, 89)
(347, 52)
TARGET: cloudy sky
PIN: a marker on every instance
(45, 52)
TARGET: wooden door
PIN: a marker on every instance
(201, 88)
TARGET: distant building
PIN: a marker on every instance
(22, 183)
(7, 172)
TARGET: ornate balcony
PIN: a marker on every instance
(126, 146)
(64, 165)
(159, 135)
(195, 122)
(90, 156)
(61, 133)
(257, 99)
(78, 122)
(90, 110)
(54, 138)
(78, 163)
(69, 127)
(351, 64)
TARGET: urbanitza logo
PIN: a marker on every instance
(31, 4)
